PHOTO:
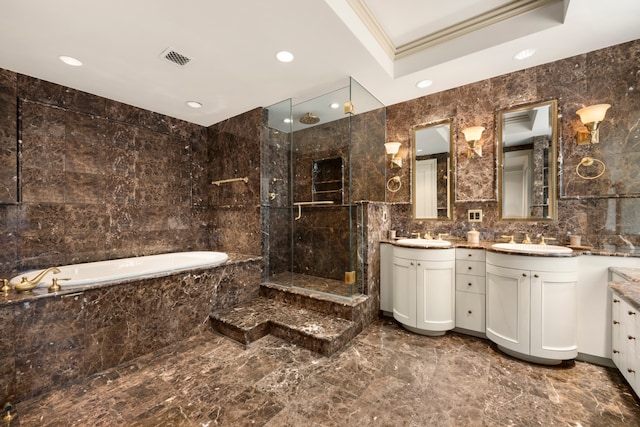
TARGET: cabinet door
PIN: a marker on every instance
(508, 298)
(631, 338)
(404, 291)
(470, 311)
(435, 295)
(554, 315)
(636, 361)
(617, 332)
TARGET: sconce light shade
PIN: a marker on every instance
(591, 117)
(473, 135)
(392, 147)
(593, 113)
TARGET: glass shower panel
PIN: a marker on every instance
(275, 193)
(322, 218)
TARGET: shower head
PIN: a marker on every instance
(309, 119)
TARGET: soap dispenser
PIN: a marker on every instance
(473, 237)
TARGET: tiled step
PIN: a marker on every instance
(322, 333)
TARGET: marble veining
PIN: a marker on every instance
(386, 376)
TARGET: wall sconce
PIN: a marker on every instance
(591, 117)
(393, 148)
(473, 135)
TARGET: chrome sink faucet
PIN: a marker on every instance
(27, 285)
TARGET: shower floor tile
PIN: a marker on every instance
(386, 376)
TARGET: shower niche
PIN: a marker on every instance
(313, 217)
(327, 180)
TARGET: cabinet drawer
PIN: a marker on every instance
(469, 283)
(470, 254)
(473, 268)
(470, 311)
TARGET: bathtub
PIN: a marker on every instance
(123, 269)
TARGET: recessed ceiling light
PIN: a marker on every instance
(335, 105)
(70, 61)
(424, 83)
(284, 56)
(287, 120)
(524, 54)
(194, 104)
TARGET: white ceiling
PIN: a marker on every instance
(232, 46)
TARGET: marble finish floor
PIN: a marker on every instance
(385, 377)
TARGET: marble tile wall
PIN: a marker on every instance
(604, 211)
(236, 152)
(100, 179)
(53, 340)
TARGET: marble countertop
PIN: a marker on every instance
(629, 289)
(487, 245)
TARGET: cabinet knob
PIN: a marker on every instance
(470, 311)
(469, 268)
(419, 264)
(631, 371)
(631, 313)
(469, 254)
(411, 263)
(615, 322)
(470, 284)
(615, 351)
(631, 337)
(524, 274)
(616, 300)
(536, 276)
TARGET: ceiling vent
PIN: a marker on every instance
(177, 58)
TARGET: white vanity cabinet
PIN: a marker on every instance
(423, 289)
(625, 349)
(532, 306)
(470, 289)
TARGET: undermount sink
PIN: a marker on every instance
(532, 248)
(424, 243)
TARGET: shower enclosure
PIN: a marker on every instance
(322, 159)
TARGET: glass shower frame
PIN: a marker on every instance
(325, 239)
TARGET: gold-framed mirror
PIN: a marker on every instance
(527, 166)
(432, 190)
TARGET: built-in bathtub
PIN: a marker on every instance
(95, 322)
(77, 276)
